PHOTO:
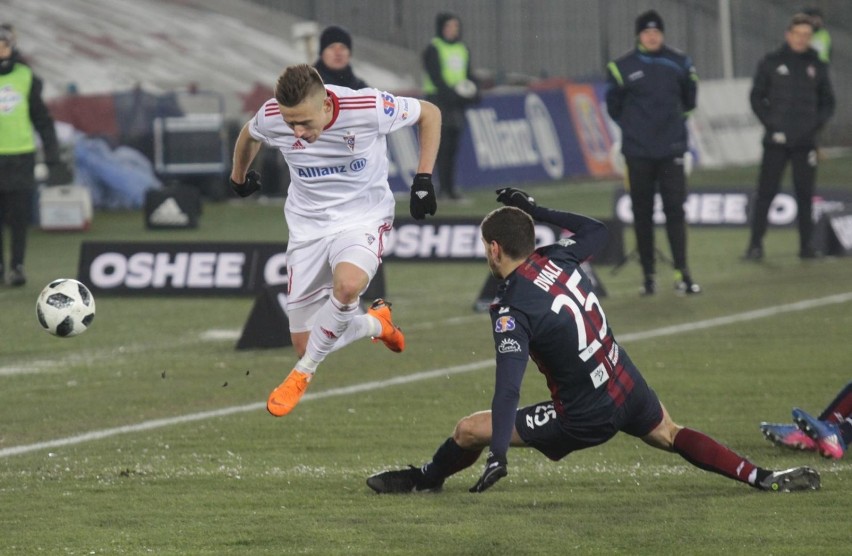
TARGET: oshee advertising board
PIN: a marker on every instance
(204, 268)
(732, 207)
(181, 268)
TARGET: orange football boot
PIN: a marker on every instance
(284, 398)
(391, 335)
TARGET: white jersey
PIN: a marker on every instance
(340, 180)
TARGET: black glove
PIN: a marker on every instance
(58, 174)
(512, 197)
(495, 469)
(249, 186)
(422, 197)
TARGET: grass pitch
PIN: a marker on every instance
(147, 434)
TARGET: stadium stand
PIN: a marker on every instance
(103, 46)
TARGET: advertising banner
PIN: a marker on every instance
(587, 116)
(732, 207)
(509, 139)
(181, 268)
(208, 268)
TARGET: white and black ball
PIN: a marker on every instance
(65, 308)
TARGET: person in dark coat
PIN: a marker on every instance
(333, 64)
(792, 97)
(650, 92)
(24, 109)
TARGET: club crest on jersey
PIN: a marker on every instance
(349, 138)
(504, 324)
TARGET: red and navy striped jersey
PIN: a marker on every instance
(547, 311)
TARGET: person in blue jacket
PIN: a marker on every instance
(650, 92)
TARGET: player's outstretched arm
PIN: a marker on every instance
(243, 181)
(429, 125)
(590, 233)
(423, 199)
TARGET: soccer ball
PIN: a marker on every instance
(65, 308)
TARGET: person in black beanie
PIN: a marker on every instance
(333, 63)
(650, 92)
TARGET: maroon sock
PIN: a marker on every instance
(702, 451)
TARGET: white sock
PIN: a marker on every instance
(307, 365)
(359, 327)
(332, 321)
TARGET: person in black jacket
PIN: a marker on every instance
(449, 84)
(24, 109)
(546, 311)
(335, 53)
(792, 97)
(650, 92)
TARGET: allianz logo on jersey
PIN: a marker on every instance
(319, 171)
(515, 143)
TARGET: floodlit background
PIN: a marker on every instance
(147, 434)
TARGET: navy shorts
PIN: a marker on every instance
(539, 426)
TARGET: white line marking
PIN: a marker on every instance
(738, 317)
(58, 364)
(416, 377)
(221, 335)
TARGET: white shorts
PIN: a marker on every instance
(310, 267)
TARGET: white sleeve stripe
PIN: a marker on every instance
(362, 104)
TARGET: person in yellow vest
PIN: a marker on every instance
(821, 39)
(21, 110)
(449, 84)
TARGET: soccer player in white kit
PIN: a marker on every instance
(338, 210)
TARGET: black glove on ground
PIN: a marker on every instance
(495, 469)
(249, 186)
(512, 197)
(423, 200)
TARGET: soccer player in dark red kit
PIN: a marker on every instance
(547, 311)
(829, 434)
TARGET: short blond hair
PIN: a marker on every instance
(296, 84)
